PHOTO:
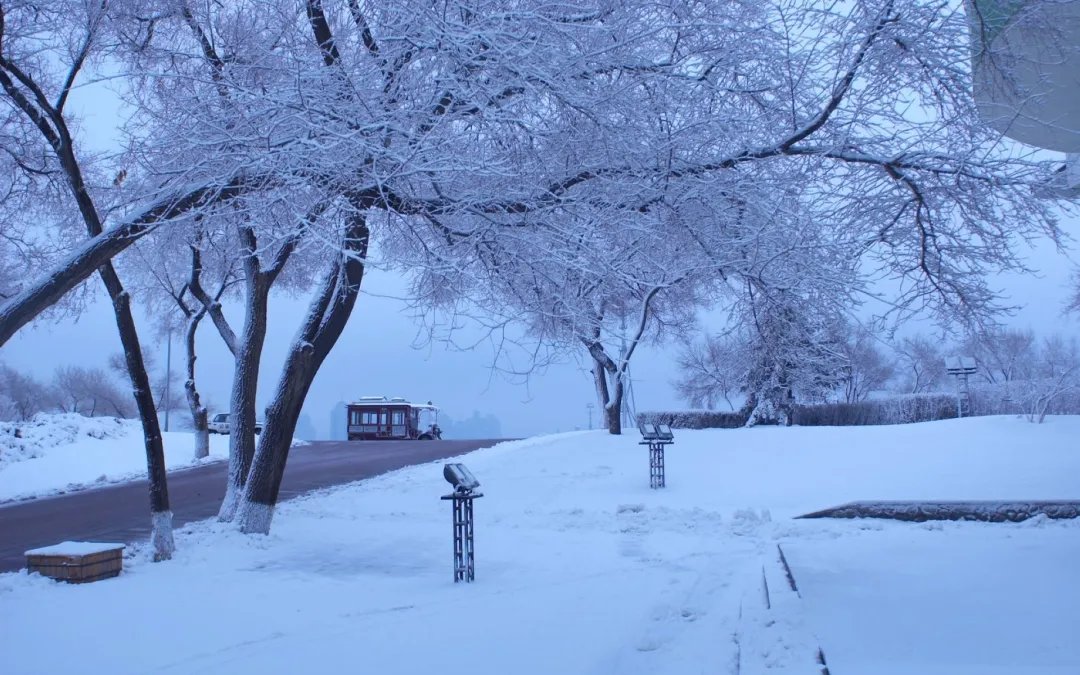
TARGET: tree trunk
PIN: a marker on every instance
(603, 397)
(199, 416)
(260, 493)
(94, 254)
(161, 535)
(610, 403)
(613, 411)
(244, 390)
(330, 311)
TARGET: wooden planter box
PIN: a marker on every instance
(77, 562)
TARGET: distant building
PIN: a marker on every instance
(476, 426)
(338, 422)
(305, 429)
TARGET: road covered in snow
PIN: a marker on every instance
(581, 568)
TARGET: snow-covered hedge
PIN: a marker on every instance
(1009, 398)
(694, 419)
(893, 410)
(25, 440)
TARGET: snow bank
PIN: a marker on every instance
(20, 441)
(59, 453)
(944, 598)
(581, 568)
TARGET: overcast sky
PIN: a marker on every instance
(375, 354)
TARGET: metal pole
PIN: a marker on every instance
(464, 547)
(656, 465)
(168, 377)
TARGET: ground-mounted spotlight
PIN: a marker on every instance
(961, 367)
(464, 483)
(460, 477)
(656, 436)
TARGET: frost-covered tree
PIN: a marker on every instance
(796, 353)
(922, 364)
(456, 122)
(1001, 354)
(168, 271)
(55, 190)
(598, 291)
(91, 392)
(867, 367)
(1053, 375)
(712, 369)
(21, 396)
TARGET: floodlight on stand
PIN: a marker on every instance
(648, 431)
(461, 478)
(961, 367)
(656, 436)
(462, 501)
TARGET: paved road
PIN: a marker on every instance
(120, 512)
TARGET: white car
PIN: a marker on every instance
(219, 424)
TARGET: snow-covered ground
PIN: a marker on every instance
(60, 453)
(581, 568)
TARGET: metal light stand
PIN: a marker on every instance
(464, 559)
(961, 367)
(656, 464)
(656, 437)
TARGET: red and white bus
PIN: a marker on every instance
(380, 418)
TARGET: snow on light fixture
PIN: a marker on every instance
(464, 484)
(656, 436)
(460, 477)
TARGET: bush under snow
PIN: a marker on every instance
(26, 440)
(58, 453)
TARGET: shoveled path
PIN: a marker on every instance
(121, 512)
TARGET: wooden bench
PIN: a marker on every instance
(77, 562)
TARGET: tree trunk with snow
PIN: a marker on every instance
(199, 416)
(330, 311)
(245, 388)
(609, 394)
(161, 536)
(50, 122)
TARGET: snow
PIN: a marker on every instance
(60, 453)
(581, 568)
(945, 599)
(74, 548)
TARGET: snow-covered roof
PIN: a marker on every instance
(396, 400)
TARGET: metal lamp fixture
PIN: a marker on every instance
(461, 478)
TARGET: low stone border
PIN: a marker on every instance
(984, 511)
